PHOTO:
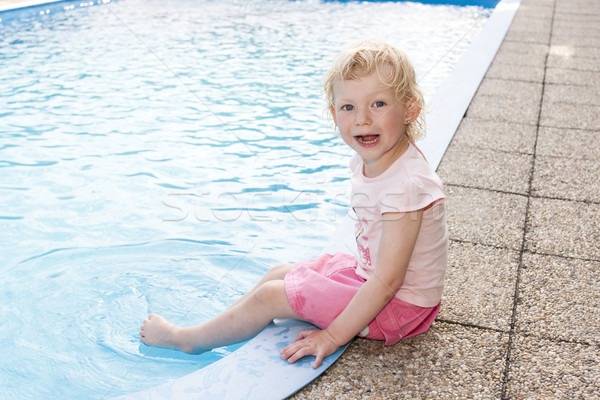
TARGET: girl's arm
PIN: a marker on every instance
(400, 231)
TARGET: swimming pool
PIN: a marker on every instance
(159, 156)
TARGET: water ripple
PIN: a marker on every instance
(106, 303)
(33, 164)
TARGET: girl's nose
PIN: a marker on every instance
(362, 117)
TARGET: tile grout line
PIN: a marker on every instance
(471, 325)
(463, 186)
(524, 334)
(570, 128)
(526, 251)
(508, 121)
(512, 333)
(528, 195)
(563, 257)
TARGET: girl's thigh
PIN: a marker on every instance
(320, 289)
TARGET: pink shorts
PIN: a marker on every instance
(320, 289)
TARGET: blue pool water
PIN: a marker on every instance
(158, 157)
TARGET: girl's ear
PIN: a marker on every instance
(413, 110)
(332, 111)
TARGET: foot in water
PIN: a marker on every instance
(157, 331)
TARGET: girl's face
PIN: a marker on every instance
(371, 121)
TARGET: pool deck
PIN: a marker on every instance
(520, 315)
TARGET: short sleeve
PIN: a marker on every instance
(413, 194)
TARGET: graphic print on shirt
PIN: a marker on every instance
(362, 242)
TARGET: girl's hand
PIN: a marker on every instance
(310, 343)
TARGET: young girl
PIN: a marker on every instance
(392, 288)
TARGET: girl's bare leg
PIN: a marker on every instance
(277, 272)
(241, 321)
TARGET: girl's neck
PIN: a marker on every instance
(374, 168)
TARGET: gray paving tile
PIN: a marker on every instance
(575, 58)
(572, 77)
(485, 217)
(486, 169)
(565, 228)
(524, 36)
(564, 115)
(572, 143)
(558, 298)
(536, 10)
(547, 3)
(567, 178)
(539, 3)
(568, 28)
(578, 7)
(545, 370)
(500, 70)
(576, 52)
(530, 22)
(563, 57)
(480, 285)
(501, 136)
(503, 109)
(519, 53)
(590, 19)
(574, 40)
(511, 89)
(507, 100)
(587, 95)
(448, 362)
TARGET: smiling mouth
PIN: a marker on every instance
(367, 139)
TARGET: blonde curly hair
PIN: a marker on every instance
(393, 68)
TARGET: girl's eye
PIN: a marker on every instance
(348, 107)
(379, 104)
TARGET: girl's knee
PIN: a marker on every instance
(271, 298)
(270, 293)
(279, 271)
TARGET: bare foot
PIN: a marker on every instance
(157, 331)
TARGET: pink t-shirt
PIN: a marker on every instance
(409, 184)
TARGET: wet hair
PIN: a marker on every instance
(393, 68)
